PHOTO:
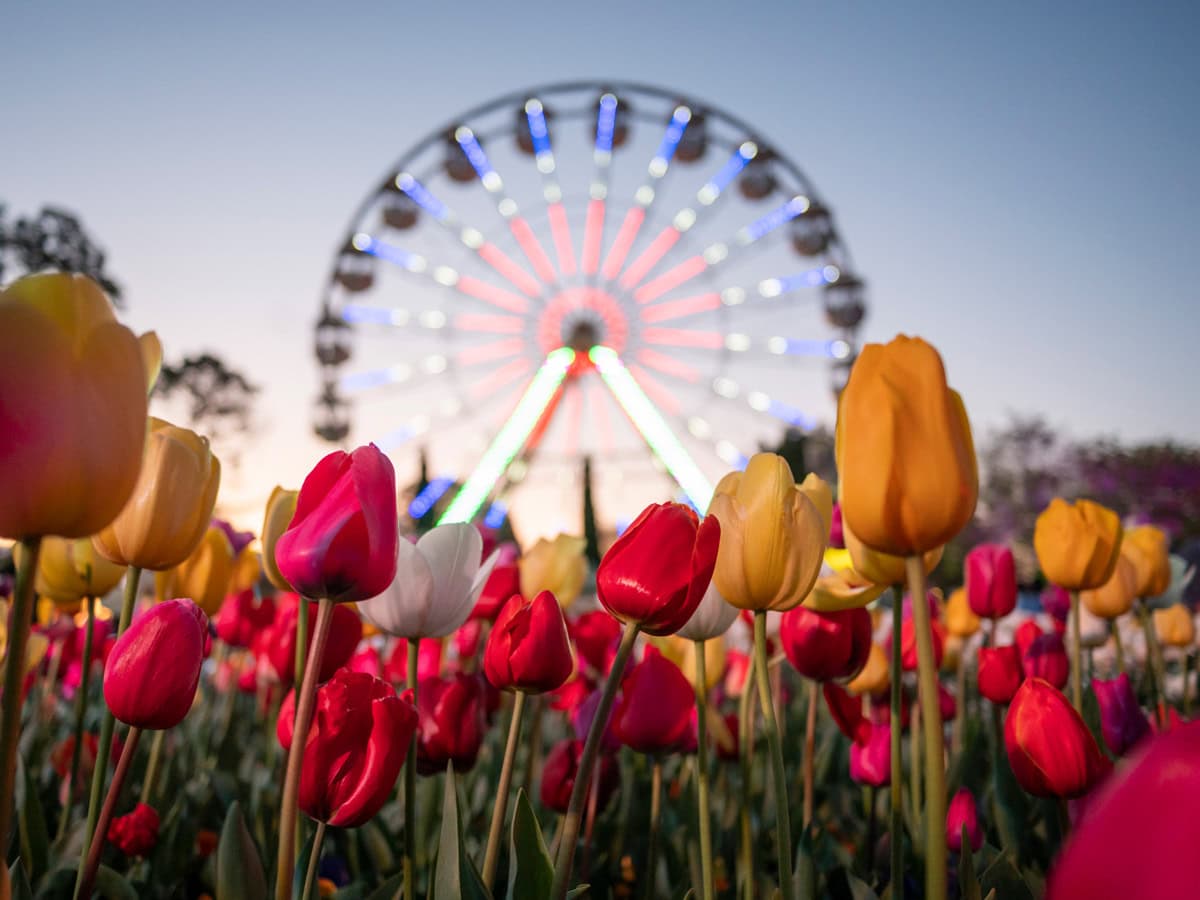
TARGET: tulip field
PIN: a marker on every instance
(761, 699)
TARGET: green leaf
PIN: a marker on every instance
(530, 869)
(113, 886)
(968, 883)
(845, 885)
(1004, 878)
(19, 881)
(35, 840)
(240, 873)
(388, 889)
(377, 846)
(454, 875)
(805, 875)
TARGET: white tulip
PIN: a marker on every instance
(711, 619)
(437, 582)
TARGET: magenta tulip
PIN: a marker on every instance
(991, 581)
(963, 814)
(1122, 721)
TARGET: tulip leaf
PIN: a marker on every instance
(530, 869)
(1004, 878)
(454, 875)
(968, 882)
(35, 840)
(113, 886)
(19, 882)
(845, 885)
(389, 889)
(240, 874)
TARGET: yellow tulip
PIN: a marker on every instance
(772, 536)
(36, 645)
(247, 569)
(1077, 544)
(203, 577)
(883, 568)
(281, 506)
(874, 678)
(839, 586)
(73, 408)
(1148, 548)
(69, 570)
(682, 652)
(557, 566)
(961, 620)
(170, 509)
(817, 489)
(952, 651)
(1115, 597)
(1174, 626)
(905, 456)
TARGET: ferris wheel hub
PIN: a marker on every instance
(581, 318)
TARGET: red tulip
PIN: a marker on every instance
(837, 533)
(825, 646)
(154, 667)
(558, 776)
(70, 649)
(504, 581)
(528, 649)
(727, 739)
(135, 833)
(1000, 672)
(596, 635)
(343, 541)
(737, 668)
(908, 644)
(1027, 632)
(242, 617)
(991, 581)
(847, 712)
(654, 710)
(659, 568)
(1122, 721)
(1138, 835)
(279, 642)
(1050, 749)
(963, 813)
(568, 697)
(1056, 601)
(947, 704)
(871, 760)
(466, 640)
(1046, 658)
(356, 746)
(453, 723)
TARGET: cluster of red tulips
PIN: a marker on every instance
(331, 666)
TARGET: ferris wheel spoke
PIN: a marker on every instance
(668, 365)
(500, 379)
(404, 374)
(682, 308)
(766, 290)
(511, 438)
(644, 196)
(655, 390)
(489, 352)
(680, 337)
(593, 226)
(543, 155)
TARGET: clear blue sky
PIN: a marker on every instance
(1018, 182)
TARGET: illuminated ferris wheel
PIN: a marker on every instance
(600, 271)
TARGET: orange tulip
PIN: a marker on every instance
(961, 620)
(72, 408)
(874, 678)
(905, 455)
(1077, 544)
(204, 577)
(170, 509)
(1174, 626)
(281, 506)
(1148, 548)
(882, 568)
(1115, 597)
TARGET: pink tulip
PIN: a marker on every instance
(963, 813)
(991, 581)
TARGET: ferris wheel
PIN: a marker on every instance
(598, 271)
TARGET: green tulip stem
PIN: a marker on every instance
(1187, 688)
(85, 676)
(960, 706)
(314, 859)
(914, 765)
(931, 719)
(810, 749)
(783, 824)
(655, 822)
(104, 746)
(705, 818)
(301, 646)
(1119, 646)
(1076, 656)
(896, 811)
(305, 701)
(156, 749)
(14, 674)
(587, 759)
(491, 859)
(746, 760)
(1154, 661)
(412, 659)
(106, 813)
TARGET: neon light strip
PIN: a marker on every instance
(496, 515)
(606, 120)
(512, 437)
(532, 248)
(623, 241)
(539, 133)
(818, 277)
(429, 496)
(497, 296)
(655, 251)
(799, 347)
(472, 356)
(666, 150)
(653, 428)
(422, 197)
(593, 230)
(490, 324)
(478, 159)
(561, 231)
(685, 271)
(679, 337)
(728, 172)
(405, 259)
(678, 309)
(361, 381)
(500, 379)
(668, 365)
(797, 206)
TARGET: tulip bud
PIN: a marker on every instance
(825, 646)
(871, 761)
(355, 749)
(961, 620)
(1147, 548)
(1000, 672)
(837, 539)
(654, 711)
(528, 649)
(904, 450)
(772, 536)
(963, 815)
(558, 776)
(1174, 626)
(281, 506)
(847, 713)
(1122, 721)
(452, 723)
(657, 571)
(69, 570)
(168, 514)
(152, 671)
(342, 542)
(557, 566)
(1046, 658)
(908, 644)
(1027, 632)
(204, 576)
(1077, 544)
(1115, 597)
(243, 616)
(596, 635)
(136, 833)
(502, 583)
(73, 413)
(1049, 747)
(991, 581)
